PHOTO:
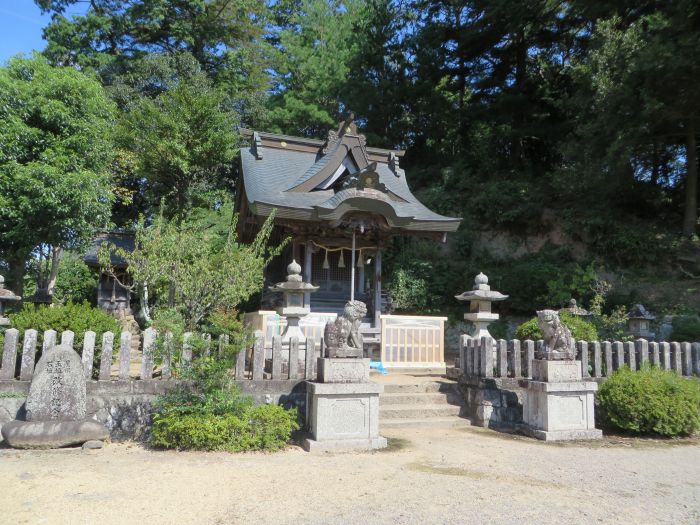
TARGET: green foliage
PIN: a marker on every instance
(581, 330)
(412, 284)
(77, 317)
(54, 152)
(685, 328)
(75, 281)
(266, 427)
(651, 401)
(183, 140)
(196, 265)
(208, 412)
(527, 279)
(111, 37)
(409, 290)
(312, 62)
(612, 326)
(576, 284)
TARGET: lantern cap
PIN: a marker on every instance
(294, 281)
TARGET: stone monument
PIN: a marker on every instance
(293, 309)
(480, 299)
(343, 403)
(558, 402)
(56, 406)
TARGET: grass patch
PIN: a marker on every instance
(395, 445)
(445, 470)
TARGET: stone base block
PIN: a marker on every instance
(561, 435)
(52, 434)
(343, 370)
(561, 410)
(344, 416)
(340, 445)
(556, 371)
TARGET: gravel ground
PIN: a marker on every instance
(429, 475)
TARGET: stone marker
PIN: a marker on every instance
(343, 403)
(558, 403)
(56, 405)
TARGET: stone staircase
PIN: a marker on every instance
(423, 402)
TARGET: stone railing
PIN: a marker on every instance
(288, 361)
(487, 357)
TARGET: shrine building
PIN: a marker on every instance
(340, 202)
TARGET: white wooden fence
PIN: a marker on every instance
(413, 341)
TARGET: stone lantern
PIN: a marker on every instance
(293, 308)
(639, 322)
(481, 297)
(6, 296)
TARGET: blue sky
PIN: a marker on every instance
(21, 23)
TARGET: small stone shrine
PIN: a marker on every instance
(56, 406)
(343, 403)
(639, 322)
(480, 299)
(558, 402)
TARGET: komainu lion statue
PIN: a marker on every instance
(342, 337)
(558, 343)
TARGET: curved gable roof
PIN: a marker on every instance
(286, 173)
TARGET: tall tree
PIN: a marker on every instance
(224, 36)
(378, 86)
(55, 148)
(183, 142)
(313, 50)
(645, 96)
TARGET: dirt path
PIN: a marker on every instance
(436, 476)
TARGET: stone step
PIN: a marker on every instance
(443, 422)
(417, 411)
(428, 386)
(421, 398)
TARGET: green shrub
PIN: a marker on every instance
(651, 401)
(266, 427)
(208, 412)
(75, 281)
(78, 318)
(686, 328)
(581, 330)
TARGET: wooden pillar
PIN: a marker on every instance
(377, 286)
(308, 257)
(99, 287)
(361, 277)
(352, 268)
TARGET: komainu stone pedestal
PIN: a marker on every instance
(558, 403)
(344, 408)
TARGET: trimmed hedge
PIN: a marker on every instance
(651, 401)
(265, 427)
(581, 330)
(78, 318)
